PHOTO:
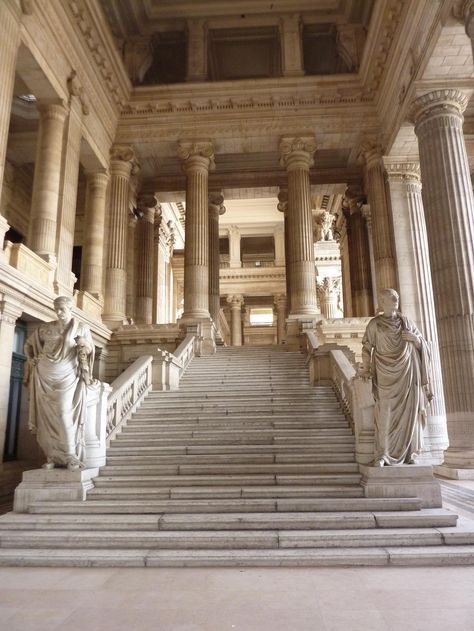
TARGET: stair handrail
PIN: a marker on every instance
(128, 391)
(332, 366)
(185, 352)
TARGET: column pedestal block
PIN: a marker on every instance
(402, 481)
(52, 485)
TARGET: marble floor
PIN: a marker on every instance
(299, 599)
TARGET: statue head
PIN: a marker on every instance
(63, 308)
(389, 300)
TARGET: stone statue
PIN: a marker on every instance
(396, 356)
(60, 359)
(324, 226)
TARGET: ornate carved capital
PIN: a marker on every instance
(9, 311)
(216, 202)
(124, 153)
(403, 171)
(354, 197)
(282, 200)
(297, 152)
(235, 301)
(123, 161)
(199, 152)
(52, 110)
(371, 153)
(146, 201)
(438, 104)
(367, 214)
(280, 301)
(234, 232)
(329, 287)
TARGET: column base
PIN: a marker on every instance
(294, 326)
(52, 485)
(452, 473)
(113, 321)
(205, 331)
(402, 481)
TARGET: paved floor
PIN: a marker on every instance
(300, 599)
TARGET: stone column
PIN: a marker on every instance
(10, 20)
(234, 247)
(291, 45)
(329, 290)
(283, 208)
(64, 278)
(279, 240)
(144, 266)
(382, 226)
(94, 221)
(367, 214)
(197, 50)
(359, 255)
(47, 179)
(280, 305)
(342, 236)
(416, 290)
(449, 213)
(467, 9)
(121, 163)
(131, 290)
(198, 158)
(9, 313)
(297, 157)
(216, 208)
(236, 303)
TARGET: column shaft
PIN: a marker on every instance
(280, 304)
(236, 303)
(9, 40)
(116, 274)
(198, 158)
(94, 221)
(235, 259)
(359, 256)
(216, 208)
(46, 182)
(297, 157)
(449, 213)
(144, 262)
(382, 227)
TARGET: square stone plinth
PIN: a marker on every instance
(52, 485)
(402, 481)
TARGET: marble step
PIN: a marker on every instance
(228, 469)
(226, 435)
(432, 556)
(234, 440)
(427, 518)
(217, 493)
(356, 503)
(147, 429)
(239, 459)
(339, 446)
(228, 539)
(223, 479)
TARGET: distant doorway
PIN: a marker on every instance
(14, 400)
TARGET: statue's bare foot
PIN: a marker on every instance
(48, 465)
(379, 463)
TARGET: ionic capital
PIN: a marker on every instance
(216, 203)
(354, 197)
(282, 200)
(197, 155)
(10, 311)
(372, 153)
(297, 152)
(438, 104)
(123, 160)
(146, 204)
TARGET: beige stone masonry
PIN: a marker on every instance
(359, 255)
(216, 208)
(144, 264)
(92, 252)
(236, 303)
(449, 212)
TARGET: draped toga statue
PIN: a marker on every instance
(396, 356)
(60, 358)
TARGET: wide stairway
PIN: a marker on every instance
(246, 465)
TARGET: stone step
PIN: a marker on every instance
(223, 434)
(227, 469)
(224, 539)
(240, 459)
(218, 493)
(426, 518)
(138, 429)
(234, 440)
(207, 450)
(232, 480)
(356, 503)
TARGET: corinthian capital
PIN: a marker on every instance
(297, 149)
(438, 102)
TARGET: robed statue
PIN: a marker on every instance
(396, 356)
(60, 359)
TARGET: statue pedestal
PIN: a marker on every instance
(402, 481)
(445, 471)
(52, 485)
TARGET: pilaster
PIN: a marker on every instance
(197, 50)
(235, 259)
(94, 221)
(291, 44)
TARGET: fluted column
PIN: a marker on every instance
(64, 278)
(279, 240)
(94, 221)
(329, 290)
(449, 213)
(297, 157)
(9, 41)
(283, 208)
(198, 158)
(130, 270)
(416, 290)
(144, 265)
(46, 182)
(382, 227)
(216, 208)
(280, 305)
(236, 303)
(367, 214)
(121, 163)
(343, 235)
(359, 255)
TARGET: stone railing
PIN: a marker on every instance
(128, 391)
(329, 365)
(30, 264)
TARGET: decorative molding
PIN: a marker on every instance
(446, 101)
(75, 89)
(402, 171)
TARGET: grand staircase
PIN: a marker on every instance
(247, 464)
